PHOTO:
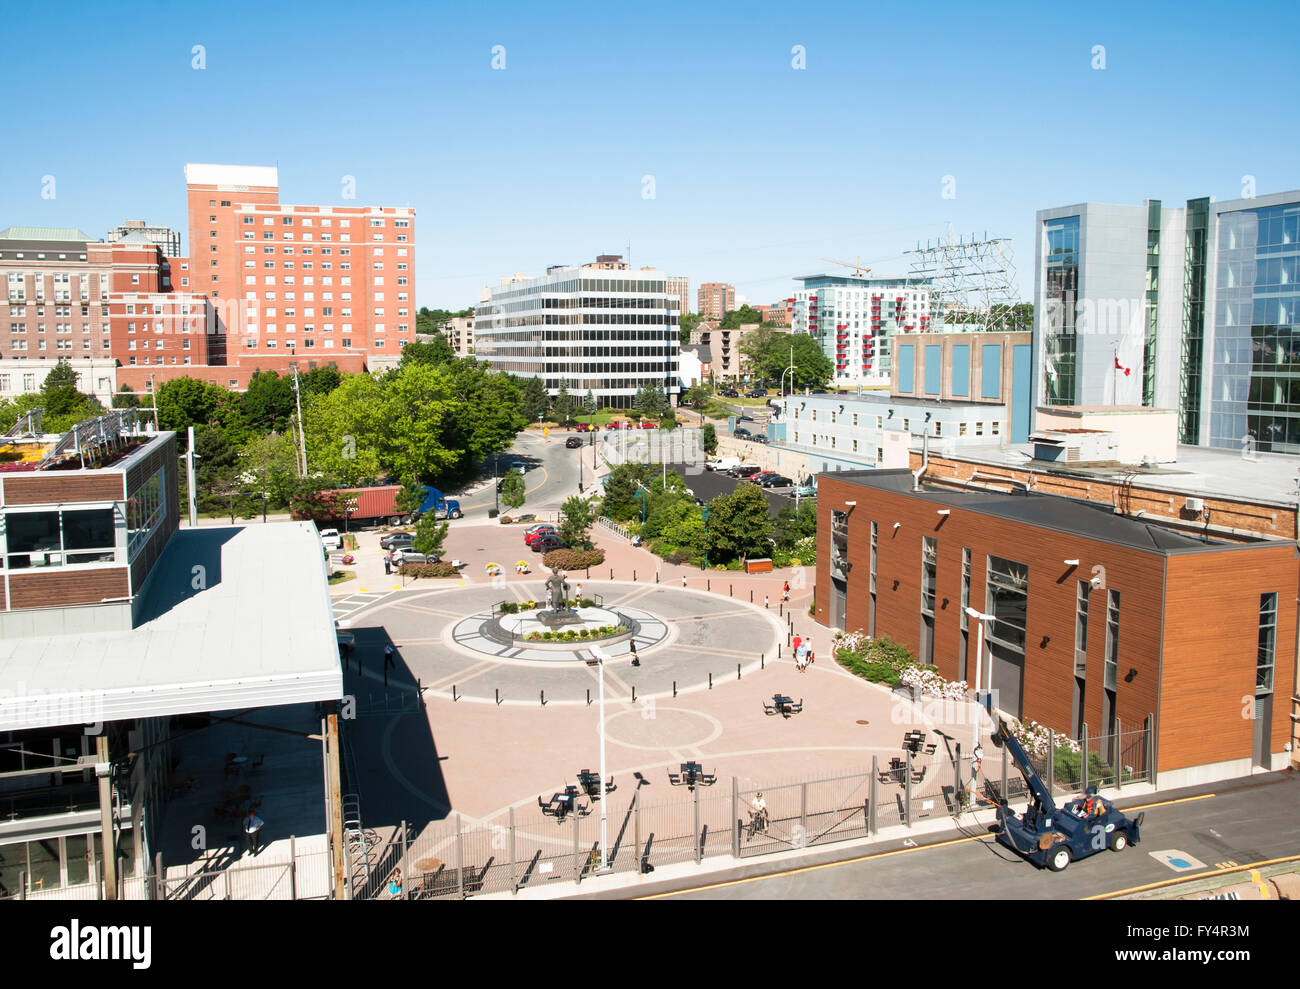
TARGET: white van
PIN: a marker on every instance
(331, 538)
(723, 463)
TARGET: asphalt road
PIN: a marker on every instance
(708, 484)
(1234, 822)
(552, 473)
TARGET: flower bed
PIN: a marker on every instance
(576, 634)
(514, 607)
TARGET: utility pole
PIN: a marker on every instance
(104, 772)
(302, 433)
(190, 457)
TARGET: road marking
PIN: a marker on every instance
(1189, 878)
(1177, 860)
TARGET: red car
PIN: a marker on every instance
(649, 425)
(535, 534)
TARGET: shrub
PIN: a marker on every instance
(573, 559)
(444, 569)
(506, 520)
(675, 558)
(509, 607)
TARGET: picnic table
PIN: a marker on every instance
(691, 775)
(560, 804)
(783, 705)
(590, 783)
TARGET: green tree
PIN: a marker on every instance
(126, 398)
(512, 490)
(430, 534)
(536, 402)
(563, 405)
(651, 401)
(269, 465)
(745, 314)
(668, 420)
(696, 396)
(709, 437)
(185, 402)
(268, 402)
(62, 375)
(321, 380)
(739, 523)
(768, 354)
(620, 501)
(590, 403)
(437, 351)
(575, 522)
(65, 406)
(792, 524)
(410, 498)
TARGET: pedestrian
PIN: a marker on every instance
(395, 884)
(252, 831)
(765, 601)
(579, 597)
(548, 599)
(812, 657)
(636, 660)
(388, 564)
(389, 660)
(786, 590)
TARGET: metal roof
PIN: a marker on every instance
(252, 628)
(45, 233)
(1079, 518)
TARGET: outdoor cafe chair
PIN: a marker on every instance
(930, 749)
(919, 775)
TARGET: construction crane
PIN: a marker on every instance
(860, 268)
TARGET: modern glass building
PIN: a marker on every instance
(1190, 308)
(603, 329)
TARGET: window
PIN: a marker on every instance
(1082, 596)
(1267, 641)
(871, 614)
(53, 539)
(961, 429)
(929, 566)
(979, 429)
(994, 427)
(1112, 639)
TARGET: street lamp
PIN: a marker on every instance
(599, 663)
(642, 495)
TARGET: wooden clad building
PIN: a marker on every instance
(1089, 617)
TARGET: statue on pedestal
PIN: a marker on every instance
(558, 589)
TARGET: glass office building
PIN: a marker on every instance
(1061, 275)
(607, 330)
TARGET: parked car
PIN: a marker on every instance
(520, 466)
(743, 417)
(573, 442)
(331, 539)
(722, 464)
(396, 540)
(740, 432)
(745, 470)
(758, 438)
(729, 393)
(757, 393)
(546, 542)
(805, 491)
(411, 556)
(775, 481)
(645, 424)
(760, 476)
(532, 535)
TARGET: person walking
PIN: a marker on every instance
(389, 660)
(579, 597)
(766, 602)
(683, 580)
(636, 660)
(252, 831)
(388, 564)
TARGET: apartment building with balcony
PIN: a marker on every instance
(853, 318)
(715, 300)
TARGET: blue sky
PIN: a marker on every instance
(759, 169)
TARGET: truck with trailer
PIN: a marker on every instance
(378, 505)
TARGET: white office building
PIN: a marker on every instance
(600, 328)
(853, 318)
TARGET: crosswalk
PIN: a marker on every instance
(344, 608)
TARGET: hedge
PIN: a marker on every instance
(444, 569)
(573, 559)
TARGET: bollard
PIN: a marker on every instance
(751, 595)
(453, 692)
(611, 573)
(497, 691)
(737, 671)
(731, 590)
(674, 688)
(780, 609)
(656, 576)
(588, 697)
(543, 698)
(708, 585)
(633, 693)
(710, 681)
(634, 576)
(762, 657)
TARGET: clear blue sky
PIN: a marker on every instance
(759, 169)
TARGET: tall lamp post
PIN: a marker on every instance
(599, 662)
(706, 537)
(641, 494)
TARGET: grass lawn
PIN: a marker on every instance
(602, 417)
(339, 576)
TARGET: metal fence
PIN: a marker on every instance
(530, 849)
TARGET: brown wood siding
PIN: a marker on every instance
(1190, 674)
(61, 588)
(1211, 646)
(49, 488)
(164, 456)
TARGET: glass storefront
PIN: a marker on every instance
(1060, 299)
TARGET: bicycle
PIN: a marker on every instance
(757, 824)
